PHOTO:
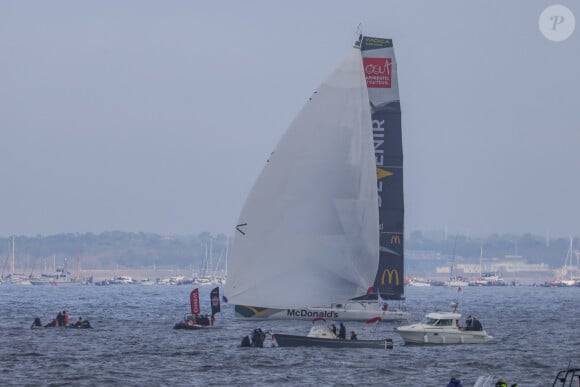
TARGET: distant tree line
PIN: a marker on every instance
(141, 250)
(113, 249)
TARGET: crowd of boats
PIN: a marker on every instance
(62, 277)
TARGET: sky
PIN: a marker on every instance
(157, 116)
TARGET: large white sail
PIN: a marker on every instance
(308, 232)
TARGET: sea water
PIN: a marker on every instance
(133, 342)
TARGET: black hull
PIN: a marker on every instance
(304, 341)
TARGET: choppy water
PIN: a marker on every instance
(132, 341)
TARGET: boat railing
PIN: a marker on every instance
(566, 378)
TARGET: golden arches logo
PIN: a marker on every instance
(390, 273)
(395, 239)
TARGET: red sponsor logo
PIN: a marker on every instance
(378, 72)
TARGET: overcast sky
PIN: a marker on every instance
(157, 116)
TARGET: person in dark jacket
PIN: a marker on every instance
(60, 319)
(353, 335)
(342, 332)
(36, 323)
(333, 328)
(454, 382)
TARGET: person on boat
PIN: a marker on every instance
(212, 319)
(333, 328)
(353, 336)
(51, 324)
(454, 382)
(342, 332)
(261, 337)
(476, 325)
(79, 322)
(258, 337)
(469, 323)
(60, 319)
(501, 383)
(65, 318)
(36, 323)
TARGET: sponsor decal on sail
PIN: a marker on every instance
(378, 72)
(390, 274)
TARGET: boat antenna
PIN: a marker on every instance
(359, 35)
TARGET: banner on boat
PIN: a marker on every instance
(215, 300)
(383, 88)
(194, 301)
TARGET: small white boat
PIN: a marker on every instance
(419, 282)
(443, 328)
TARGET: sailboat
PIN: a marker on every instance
(324, 220)
(14, 278)
(569, 269)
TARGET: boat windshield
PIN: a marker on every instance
(429, 321)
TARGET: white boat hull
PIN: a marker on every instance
(355, 311)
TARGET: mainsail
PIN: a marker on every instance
(380, 69)
(308, 232)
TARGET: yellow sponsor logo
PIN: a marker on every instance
(381, 173)
(390, 274)
(395, 239)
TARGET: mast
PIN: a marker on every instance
(12, 252)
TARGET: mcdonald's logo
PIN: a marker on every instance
(396, 239)
(390, 273)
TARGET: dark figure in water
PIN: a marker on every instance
(60, 319)
(342, 332)
(246, 341)
(36, 323)
(353, 336)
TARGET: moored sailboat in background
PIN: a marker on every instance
(13, 277)
(324, 220)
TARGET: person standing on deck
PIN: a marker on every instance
(342, 332)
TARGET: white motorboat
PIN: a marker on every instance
(443, 328)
